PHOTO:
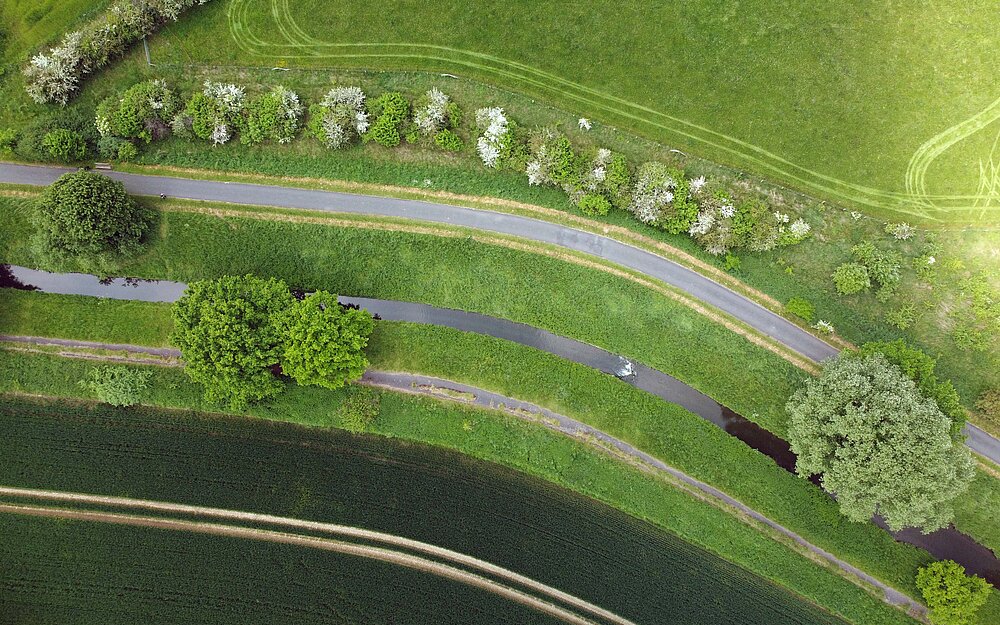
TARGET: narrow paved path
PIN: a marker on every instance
(692, 282)
(697, 285)
(384, 554)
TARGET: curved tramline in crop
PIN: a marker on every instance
(914, 201)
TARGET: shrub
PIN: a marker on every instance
(273, 116)
(31, 138)
(118, 386)
(85, 213)
(552, 161)
(618, 182)
(901, 231)
(340, 117)
(902, 317)
(882, 265)
(228, 331)
(953, 597)
(143, 112)
(801, 308)
(660, 197)
(496, 143)
(360, 409)
(325, 342)
(732, 263)
(8, 139)
(448, 140)
(390, 111)
(878, 443)
(594, 204)
(65, 145)
(53, 77)
(989, 403)
(851, 278)
(216, 113)
(434, 112)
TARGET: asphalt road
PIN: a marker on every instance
(697, 285)
(623, 254)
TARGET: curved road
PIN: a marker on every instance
(692, 282)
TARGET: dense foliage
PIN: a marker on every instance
(118, 386)
(851, 278)
(325, 342)
(87, 214)
(142, 113)
(919, 367)
(216, 113)
(229, 336)
(272, 116)
(877, 443)
(391, 111)
(952, 596)
(65, 145)
(53, 77)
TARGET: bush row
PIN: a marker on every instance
(596, 180)
(55, 75)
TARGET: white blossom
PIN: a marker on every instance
(931, 260)
(54, 76)
(780, 217)
(229, 97)
(696, 184)
(855, 215)
(800, 228)
(823, 326)
(901, 231)
(220, 134)
(344, 117)
(432, 118)
(727, 210)
(703, 224)
(535, 174)
(584, 123)
(493, 123)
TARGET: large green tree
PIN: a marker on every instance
(229, 335)
(878, 444)
(953, 597)
(87, 214)
(325, 342)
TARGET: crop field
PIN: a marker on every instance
(565, 540)
(77, 571)
(892, 107)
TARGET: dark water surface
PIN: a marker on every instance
(947, 543)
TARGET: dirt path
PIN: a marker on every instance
(383, 554)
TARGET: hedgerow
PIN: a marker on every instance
(54, 77)
(595, 180)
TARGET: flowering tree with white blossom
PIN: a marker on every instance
(340, 118)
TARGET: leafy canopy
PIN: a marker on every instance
(229, 336)
(953, 597)
(85, 213)
(325, 342)
(878, 444)
(919, 367)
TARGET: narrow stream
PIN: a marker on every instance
(947, 543)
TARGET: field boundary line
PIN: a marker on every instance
(383, 554)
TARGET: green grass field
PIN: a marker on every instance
(891, 107)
